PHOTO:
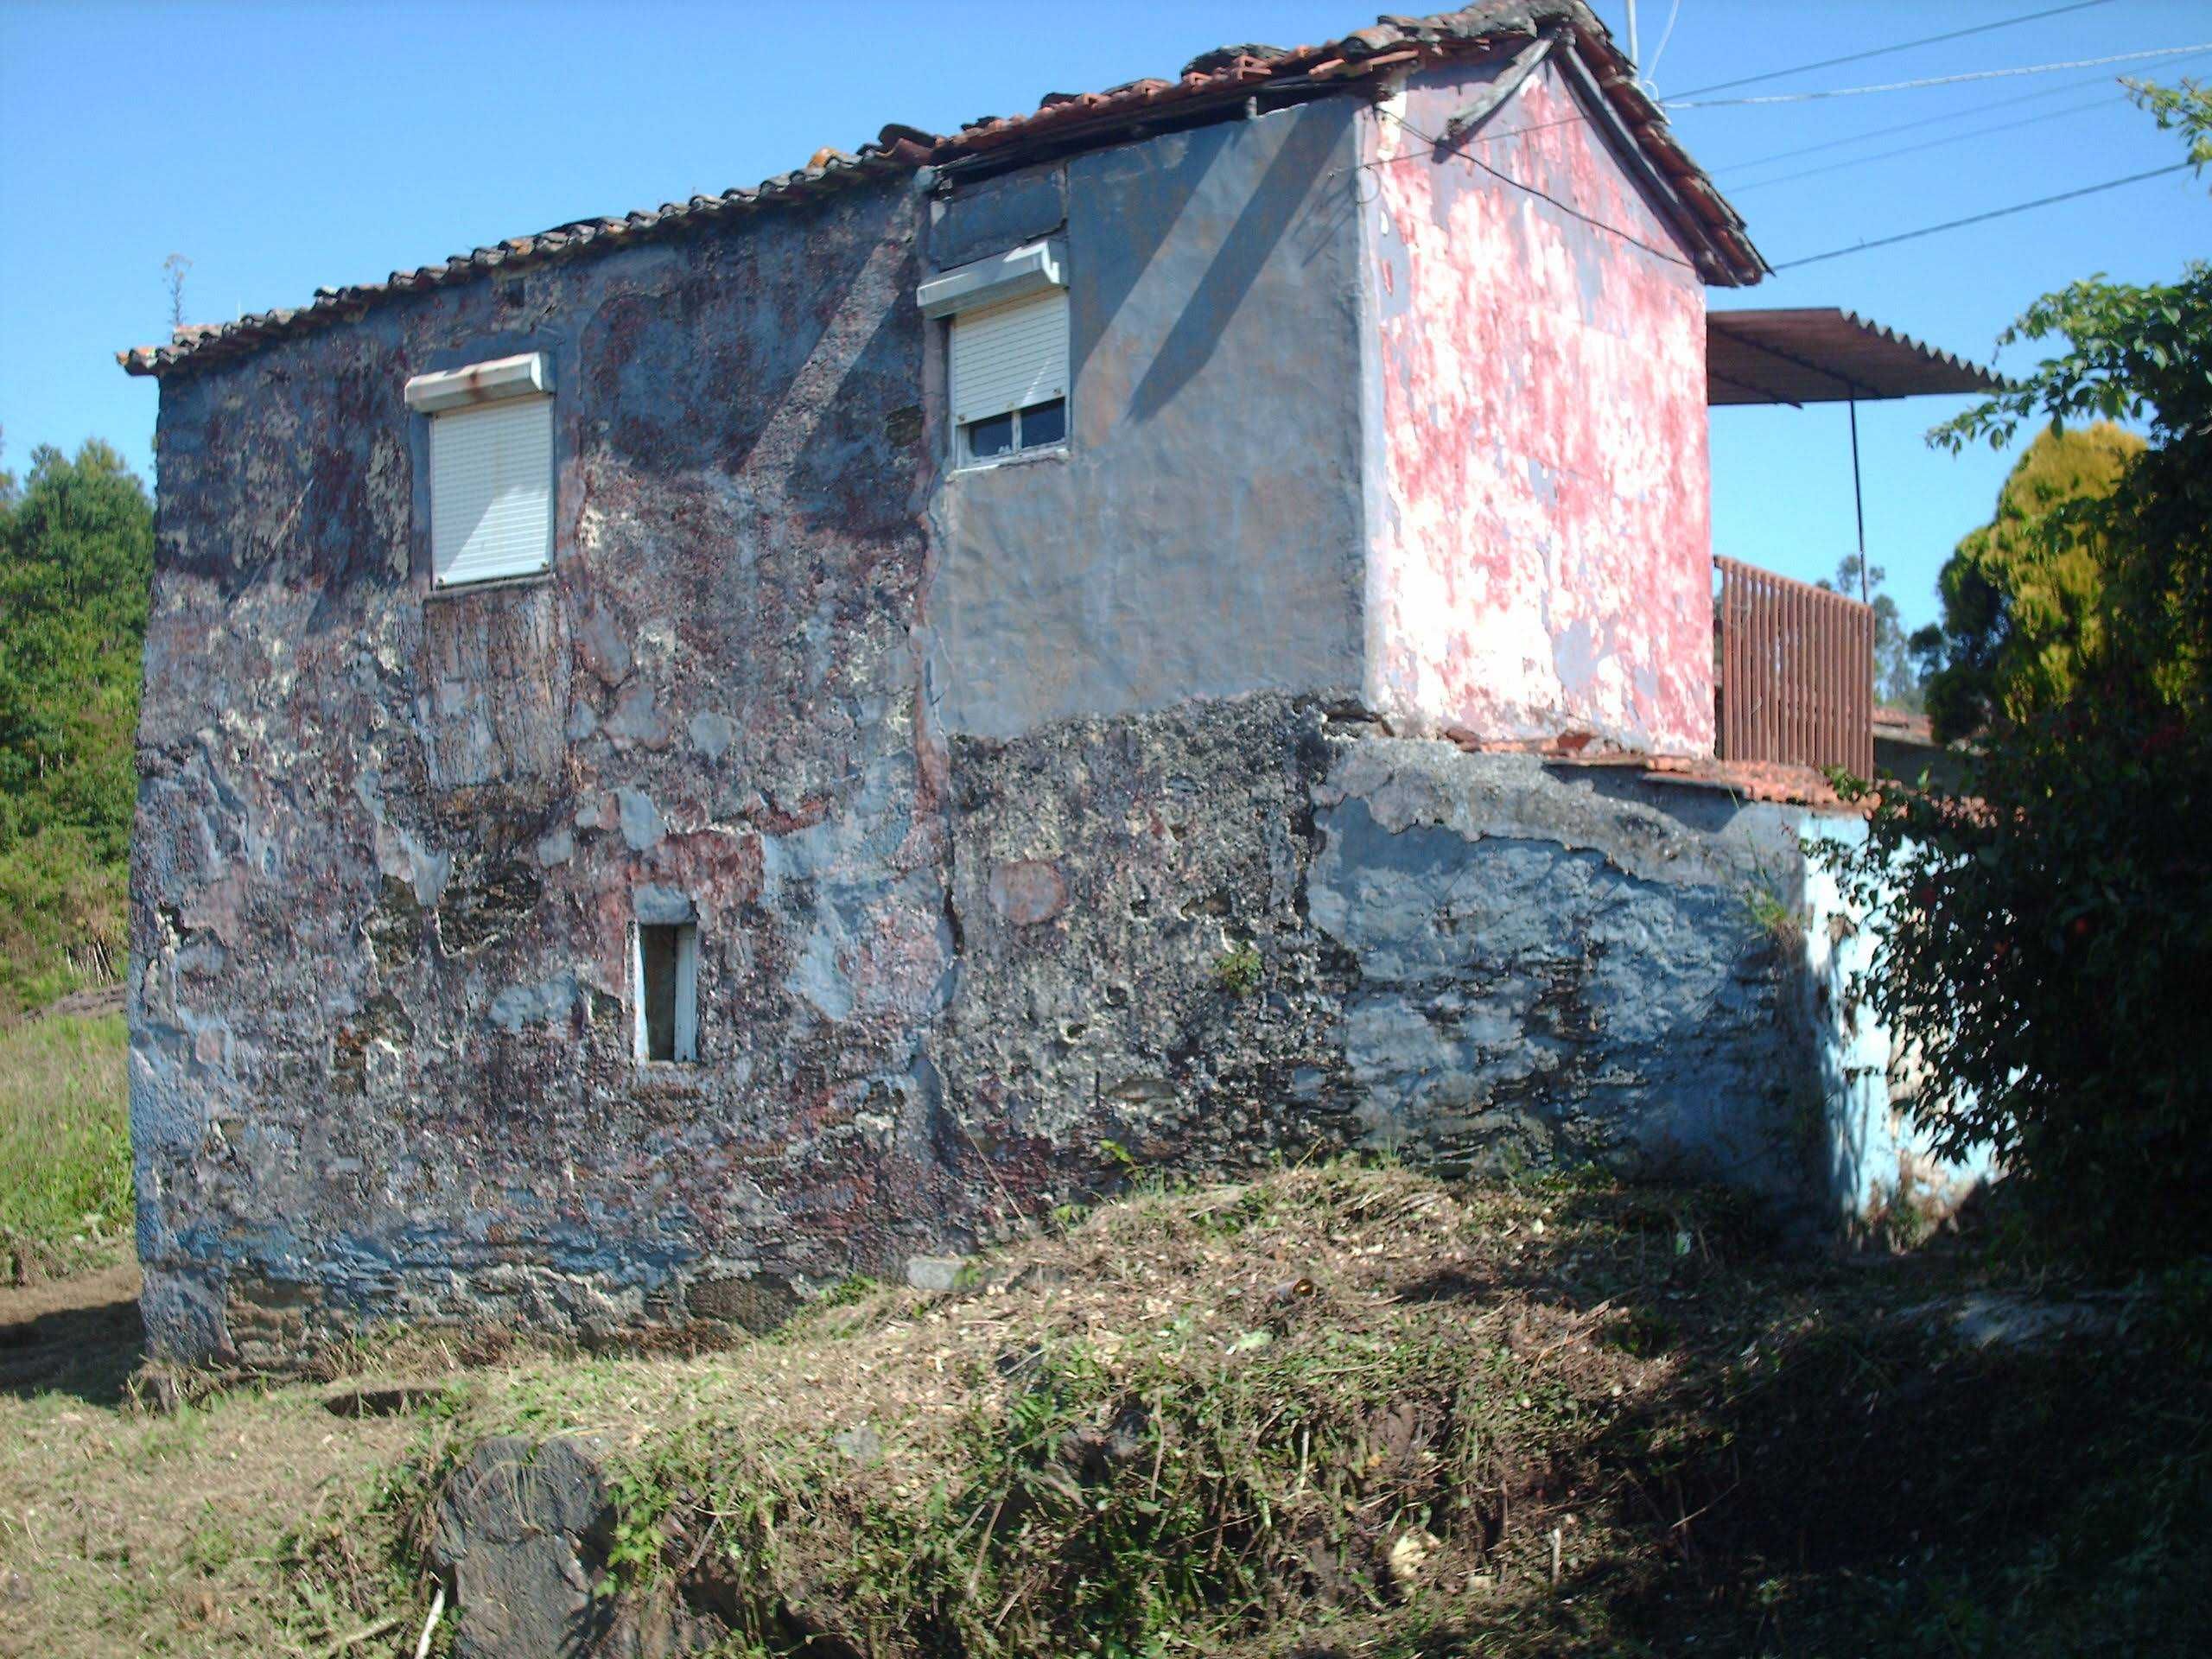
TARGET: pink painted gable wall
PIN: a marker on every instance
(1540, 560)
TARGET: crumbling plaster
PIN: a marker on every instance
(1540, 551)
(391, 844)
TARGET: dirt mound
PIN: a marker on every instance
(1336, 1413)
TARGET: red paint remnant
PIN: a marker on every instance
(1029, 890)
(1544, 564)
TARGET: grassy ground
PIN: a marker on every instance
(1332, 1413)
(64, 1144)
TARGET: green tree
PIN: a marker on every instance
(2022, 595)
(2042, 942)
(76, 557)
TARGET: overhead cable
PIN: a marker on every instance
(2106, 103)
(1977, 218)
(1884, 51)
(1645, 72)
(1568, 208)
(1727, 168)
(1687, 103)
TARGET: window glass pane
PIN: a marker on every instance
(1045, 424)
(657, 953)
(991, 437)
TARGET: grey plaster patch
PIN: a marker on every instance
(660, 905)
(998, 214)
(1123, 579)
(601, 648)
(711, 734)
(637, 717)
(517, 1005)
(643, 827)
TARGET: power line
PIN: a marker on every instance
(2104, 103)
(1968, 113)
(1977, 218)
(1643, 74)
(1686, 102)
(1571, 211)
(1883, 51)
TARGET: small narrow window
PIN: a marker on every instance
(668, 991)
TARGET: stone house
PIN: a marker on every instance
(690, 755)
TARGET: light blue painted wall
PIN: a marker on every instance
(1875, 1157)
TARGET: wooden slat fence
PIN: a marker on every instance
(1796, 672)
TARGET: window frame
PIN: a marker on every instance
(1032, 272)
(684, 973)
(968, 461)
(520, 382)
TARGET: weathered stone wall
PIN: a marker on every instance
(1478, 961)
(1027, 837)
(391, 844)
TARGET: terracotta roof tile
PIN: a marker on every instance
(1222, 78)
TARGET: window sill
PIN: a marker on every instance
(491, 585)
(1018, 458)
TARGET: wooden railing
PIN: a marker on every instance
(1796, 672)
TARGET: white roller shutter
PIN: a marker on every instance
(491, 491)
(1009, 356)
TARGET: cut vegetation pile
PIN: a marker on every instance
(1334, 1412)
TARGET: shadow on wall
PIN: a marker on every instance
(1274, 203)
(790, 391)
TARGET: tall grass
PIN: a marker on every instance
(65, 1134)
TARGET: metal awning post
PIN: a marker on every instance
(1858, 494)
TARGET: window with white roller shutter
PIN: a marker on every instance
(491, 469)
(1008, 351)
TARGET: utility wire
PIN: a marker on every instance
(1571, 211)
(2105, 103)
(1883, 51)
(1646, 74)
(1977, 218)
(2063, 87)
(1687, 103)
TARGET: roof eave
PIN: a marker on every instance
(1703, 219)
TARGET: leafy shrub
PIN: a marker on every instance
(2047, 936)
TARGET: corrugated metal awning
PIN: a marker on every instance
(1818, 354)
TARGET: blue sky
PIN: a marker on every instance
(283, 147)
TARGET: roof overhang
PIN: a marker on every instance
(1215, 86)
(1819, 354)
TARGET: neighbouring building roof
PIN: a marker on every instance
(1900, 726)
(1818, 354)
(1212, 85)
